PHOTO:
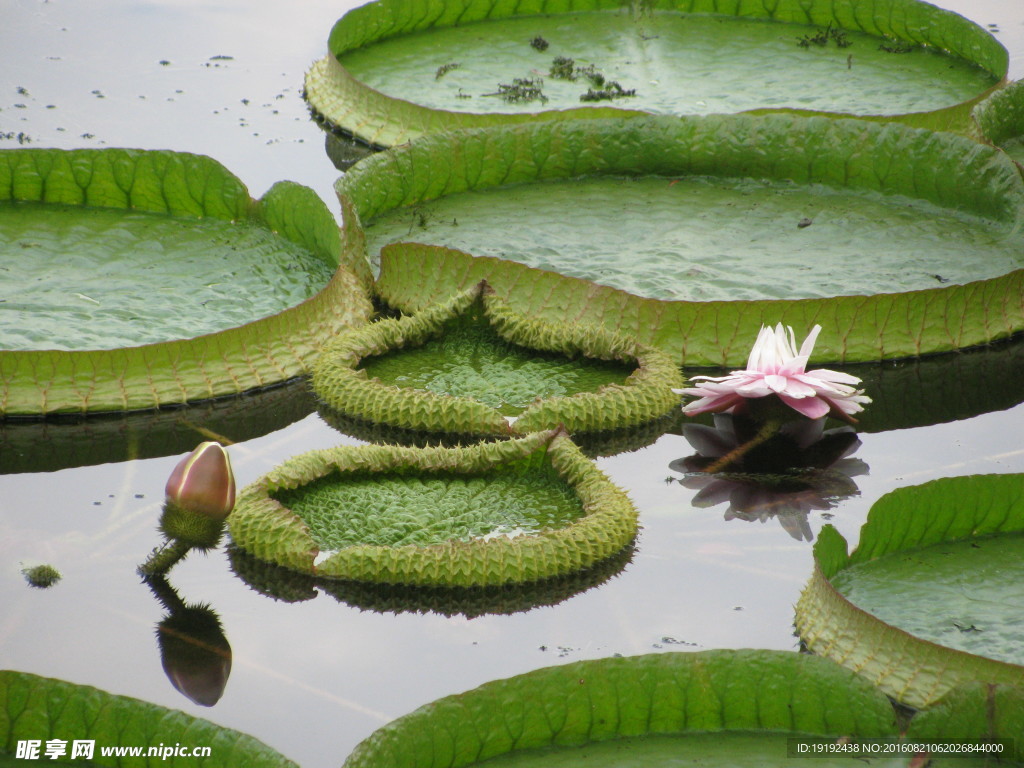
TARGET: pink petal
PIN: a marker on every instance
(811, 407)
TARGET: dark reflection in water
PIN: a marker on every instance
(592, 444)
(47, 445)
(194, 650)
(288, 586)
(801, 468)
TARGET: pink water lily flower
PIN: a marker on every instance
(775, 368)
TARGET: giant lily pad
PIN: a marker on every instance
(513, 511)
(972, 713)
(724, 707)
(135, 279)
(398, 69)
(473, 366)
(1000, 119)
(929, 599)
(864, 195)
(41, 709)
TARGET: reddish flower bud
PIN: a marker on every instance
(203, 482)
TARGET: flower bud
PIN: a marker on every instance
(203, 482)
(200, 495)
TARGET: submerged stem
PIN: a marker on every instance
(768, 429)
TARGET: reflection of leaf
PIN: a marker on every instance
(266, 351)
(41, 708)
(981, 517)
(946, 170)
(566, 707)
(289, 586)
(354, 108)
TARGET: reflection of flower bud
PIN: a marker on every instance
(200, 495)
(203, 482)
(195, 653)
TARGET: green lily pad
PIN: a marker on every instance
(433, 191)
(472, 366)
(494, 513)
(972, 712)
(172, 285)
(1000, 119)
(399, 69)
(725, 707)
(926, 601)
(39, 709)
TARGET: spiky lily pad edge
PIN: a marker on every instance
(944, 169)
(266, 529)
(912, 670)
(258, 354)
(646, 394)
(346, 106)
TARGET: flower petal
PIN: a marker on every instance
(811, 407)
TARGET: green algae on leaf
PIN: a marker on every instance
(751, 700)
(472, 366)
(684, 57)
(63, 356)
(925, 602)
(41, 708)
(494, 513)
(857, 167)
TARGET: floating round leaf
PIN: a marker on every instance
(136, 279)
(472, 366)
(398, 69)
(686, 232)
(712, 707)
(494, 513)
(928, 599)
(35, 710)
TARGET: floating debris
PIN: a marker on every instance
(41, 576)
(538, 43)
(444, 69)
(611, 91)
(522, 90)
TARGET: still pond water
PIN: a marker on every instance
(314, 676)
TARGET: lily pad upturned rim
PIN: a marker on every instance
(912, 670)
(265, 528)
(941, 168)
(39, 708)
(348, 107)
(1000, 117)
(653, 694)
(261, 353)
(646, 394)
